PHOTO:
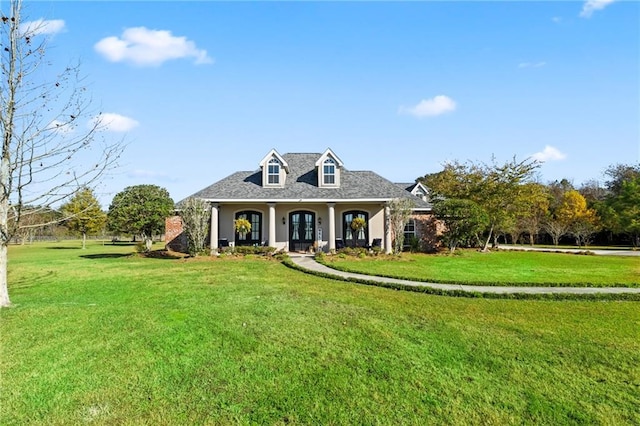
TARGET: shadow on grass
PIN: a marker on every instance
(105, 255)
(163, 254)
(63, 248)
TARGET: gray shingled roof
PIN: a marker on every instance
(302, 183)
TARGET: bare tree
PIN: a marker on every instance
(47, 156)
(399, 213)
(195, 214)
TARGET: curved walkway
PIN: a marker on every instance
(308, 262)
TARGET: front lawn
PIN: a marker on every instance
(105, 337)
(499, 268)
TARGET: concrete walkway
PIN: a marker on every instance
(308, 262)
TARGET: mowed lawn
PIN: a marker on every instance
(500, 268)
(105, 337)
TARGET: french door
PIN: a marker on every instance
(302, 229)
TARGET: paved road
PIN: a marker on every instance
(309, 263)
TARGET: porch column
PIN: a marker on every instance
(332, 227)
(214, 228)
(387, 229)
(272, 224)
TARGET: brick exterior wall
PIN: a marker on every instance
(429, 230)
(175, 238)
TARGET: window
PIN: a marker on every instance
(253, 237)
(273, 172)
(409, 232)
(329, 171)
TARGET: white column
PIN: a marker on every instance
(214, 228)
(332, 227)
(272, 224)
(387, 229)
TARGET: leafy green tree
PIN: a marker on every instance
(140, 210)
(627, 208)
(620, 173)
(493, 187)
(195, 216)
(464, 221)
(83, 214)
(532, 206)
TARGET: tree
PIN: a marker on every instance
(48, 154)
(140, 210)
(533, 206)
(357, 225)
(627, 209)
(195, 219)
(37, 220)
(620, 173)
(399, 214)
(493, 187)
(581, 222)
(464, 221)
(84, 214)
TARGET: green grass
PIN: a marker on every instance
(98, 336)
(500, 268)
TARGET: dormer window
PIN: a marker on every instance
(274, 169)
(273, 172)
(329, 172)
(328, 168)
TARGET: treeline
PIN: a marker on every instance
(482, 204)
(137, 211)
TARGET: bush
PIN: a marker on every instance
(256, 250)
(353, 251)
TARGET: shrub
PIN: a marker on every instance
(256, 250)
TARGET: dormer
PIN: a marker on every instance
(420, 191)
(274, 170)
(328, 167)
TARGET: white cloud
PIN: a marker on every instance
(430, 107)
(591, 6)
(557, 19)
(42, 27)
(549, 153)
(114, 122)
(532, 64)
(144, 47)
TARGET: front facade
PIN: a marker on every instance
(302, 202)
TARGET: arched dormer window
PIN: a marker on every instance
(273, 172)
(329, 171)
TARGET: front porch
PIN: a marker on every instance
(300, 227)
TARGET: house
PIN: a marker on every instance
(299, 201)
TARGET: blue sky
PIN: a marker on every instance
(203, 89)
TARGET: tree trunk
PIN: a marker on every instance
(486, 244)
(84, 240)
(148, 243)
(4, 290)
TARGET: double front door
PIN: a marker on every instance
(302, 230)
